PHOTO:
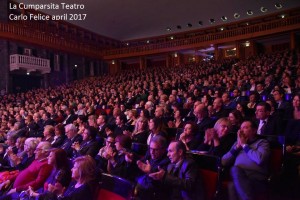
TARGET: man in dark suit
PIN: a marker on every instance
(89, 145)
(267, 124)
(47, 119)
(180, 179)
(202, 120)
(156, 157)
(102, 124)
(70, 117)
(72, 137)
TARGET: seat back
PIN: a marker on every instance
(209, 170)
(277, 147)
(171, 134)
(139, 148)
(115, 188)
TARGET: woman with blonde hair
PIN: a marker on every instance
(217, 140)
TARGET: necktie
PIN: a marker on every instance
(262, 129)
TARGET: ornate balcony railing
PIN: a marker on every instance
(29, 63)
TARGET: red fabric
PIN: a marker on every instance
(108, 195)
(8, 175)
(210, 180)
(34, 175)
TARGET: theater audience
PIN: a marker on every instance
(165, 90)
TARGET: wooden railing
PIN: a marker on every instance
(250, 31)
(65, 37)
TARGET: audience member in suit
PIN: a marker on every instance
(282, 107)
(160, 114)
(156, 158)
(249, 162)
(263, 95)
(70, 118)
(267, 124)
(180, 180)
(228, 104)
(218, 110)
(39, 123)
(120, 124)
(236, 98)
(189, 106)
(59, 138)
(202, 120)
(72, 137)
(47, 119)
(89, 145)
(6, 152)
(102, 124)
(31, 127)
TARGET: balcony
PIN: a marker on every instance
(29, 63)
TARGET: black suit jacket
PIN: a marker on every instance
(271, 127)
(90, 147)
(68, 143)
(182, 185)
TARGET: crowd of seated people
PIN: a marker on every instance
(100, 117)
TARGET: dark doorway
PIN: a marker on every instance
(23, 83)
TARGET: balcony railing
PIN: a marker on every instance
(29, 63)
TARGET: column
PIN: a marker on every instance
(238, 49)
(67, 68)
(217, 52)
(4, 67)
(114, 66)
(143, 63)
(4, 10)
(92, 73)
(292, 41)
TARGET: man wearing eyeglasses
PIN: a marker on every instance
(155, 159)
(34, 175)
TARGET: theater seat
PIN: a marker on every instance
(209, 171)
(139, 148)
(115, 188)
(108, 195)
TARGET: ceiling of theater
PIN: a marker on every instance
(134, 19)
